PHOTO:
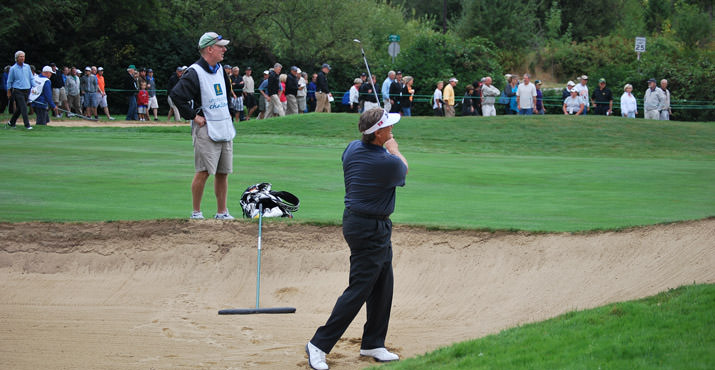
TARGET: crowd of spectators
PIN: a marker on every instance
(277, 94)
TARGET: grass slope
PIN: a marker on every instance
(551, 173)
(672, 330)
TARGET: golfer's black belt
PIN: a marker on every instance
(366, 215)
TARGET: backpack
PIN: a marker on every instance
(275, 203)
(346, 98)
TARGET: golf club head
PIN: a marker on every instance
(358, 41)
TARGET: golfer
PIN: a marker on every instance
(201, 95)
(372, 169)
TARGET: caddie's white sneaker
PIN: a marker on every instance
(224, 216)
(316, 357)
(197, 215)
(380, 354)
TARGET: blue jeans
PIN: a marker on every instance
(406, 111)
(526, 111)
(132, 112)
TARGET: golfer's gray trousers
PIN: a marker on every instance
(371, 282)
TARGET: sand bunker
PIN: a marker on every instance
(145, 295)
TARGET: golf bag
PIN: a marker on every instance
(275, 203)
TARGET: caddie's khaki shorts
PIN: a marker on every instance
(211, 156)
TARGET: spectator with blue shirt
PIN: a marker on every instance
(386, 90)
(3, 94)
(19, 83)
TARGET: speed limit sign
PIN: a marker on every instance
(640, 44)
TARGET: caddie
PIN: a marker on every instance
(202, 96)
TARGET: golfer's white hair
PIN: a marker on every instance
(391, 73)
(664, 80)
(18, 53)
(627, 86)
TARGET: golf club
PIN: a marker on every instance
(69, 114)
(369, 75)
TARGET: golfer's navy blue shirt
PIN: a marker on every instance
(371, 175)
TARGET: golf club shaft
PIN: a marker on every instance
(369, 74)
(258, 269)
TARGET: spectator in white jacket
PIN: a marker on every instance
(489, 94)
(666, 112)
(653, 100)
(355, 95)
(629, 106)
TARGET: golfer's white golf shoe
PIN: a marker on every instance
(380, 354)
(197, 215)
(316, 357)
(224, 216)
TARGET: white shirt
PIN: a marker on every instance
(526, 94)
(354, 95)
(302, 91)
(583, 93)
(628, 104)
(437, 97)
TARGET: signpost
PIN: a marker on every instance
(394, 48)
(640, 46)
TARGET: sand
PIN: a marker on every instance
(145, 295)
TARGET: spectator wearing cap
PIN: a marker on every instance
(302, 91)
(566, 92)
(249, 90)
(385, 90)
(469, 101)
(202, 96)
(539, 98)
(629, 106)
(263, 98)
(19, 83)
(273, 91)
(396, 93)
(292, 91)
(653, 100)
(322, 90)
(151, 88)
(45, 100)
(448, 97)
(59, 94)
(142, 76)
(72, 86)
(102, 99)
(489, 94)
(132, 88)
(173, 80)
(666, 112)
(602, 99)
(573, 105)
(368, 96)
(88, 88)
(526, 96)
(354, 94)
(582, 89)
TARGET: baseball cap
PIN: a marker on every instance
(265, 72)
(149, 70)
(398, 72)
(212, 38)
(294, 68)
(584, 77)
(537, 82)
(87, 68)
(386, 120)
(46, 69)
(652, 80)
(131, 66)
(179, 68)
(570, 83)
(227, 66)
(100, 69)
(299, 71)
(573, 90)
(601, 80)
(248, 68)
(184, 68)
(326, 65)
(363, 74)
(453, 79)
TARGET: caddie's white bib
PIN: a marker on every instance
(38, 83)
(214, 102)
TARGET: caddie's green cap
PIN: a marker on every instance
(131, 66)
(601, 80)
(212, 38)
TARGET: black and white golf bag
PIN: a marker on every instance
(275, 203)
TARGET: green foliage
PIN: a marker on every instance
(691, 27)
(632, 21)
(590, 18)
(435, 56)
(657, 13)
(553, 21)
(671, 330)
(509, 25)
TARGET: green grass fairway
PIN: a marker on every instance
(672, 330)
(549, 173)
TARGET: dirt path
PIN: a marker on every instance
(128, 295)
(117, 123)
